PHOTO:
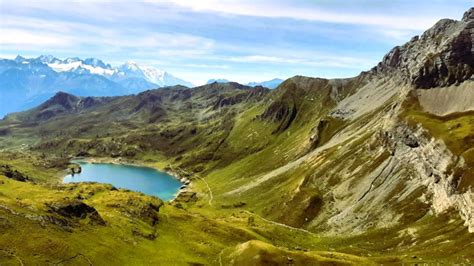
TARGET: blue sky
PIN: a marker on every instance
(244, 40)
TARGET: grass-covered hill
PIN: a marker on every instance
(374, 169)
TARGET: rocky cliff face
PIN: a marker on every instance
(441, 56)
(391, 173)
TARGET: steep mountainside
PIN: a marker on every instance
(378, 168)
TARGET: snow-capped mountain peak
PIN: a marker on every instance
(36, 79)
(96, 63)
(72, 60)
(129, 69)
(47, 59)
(151, 74)
(130, 65)
(154, 75)
(66, 65)
(126, 72)
(91, 65)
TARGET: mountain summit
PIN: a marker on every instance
(151, 74)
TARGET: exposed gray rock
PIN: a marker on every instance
(441, 56)
(341, 113)
(468, 15)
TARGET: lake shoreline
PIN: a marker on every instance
(185, 181)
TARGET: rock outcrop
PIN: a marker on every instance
(7, 171)
(76, 210)
(441, 56)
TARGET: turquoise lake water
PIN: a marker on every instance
(141, 179)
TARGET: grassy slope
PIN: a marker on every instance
(201, 233)
(182, 237)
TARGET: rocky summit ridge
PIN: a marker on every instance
(441, 56)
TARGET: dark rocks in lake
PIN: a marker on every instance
(75, 169)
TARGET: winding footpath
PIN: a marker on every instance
(211, 196)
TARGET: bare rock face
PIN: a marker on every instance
(468, 15)
(452, 66)
(441, 56)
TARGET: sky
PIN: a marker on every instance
(243, 41)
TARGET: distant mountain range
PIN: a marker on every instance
(26, 82)
(217, 81)
(271, 84)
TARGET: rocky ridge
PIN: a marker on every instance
(441, 56)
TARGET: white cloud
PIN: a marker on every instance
(278, 9)
(45, 34)
(22, 38)
(396, 34)
(109, 10)
(205, 66)
(263, 59)
(45, 24)
(306, 59)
